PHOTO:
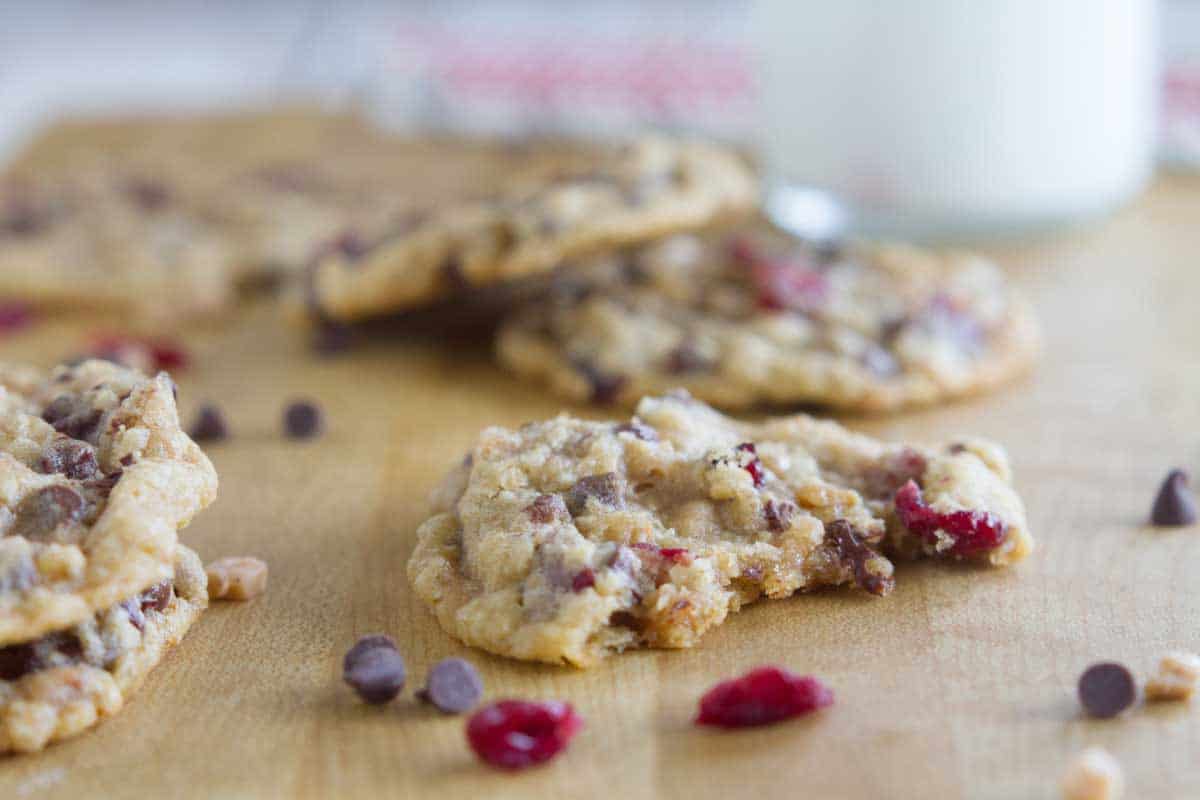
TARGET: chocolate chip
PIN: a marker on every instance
(70, 417)
(639, 429)
(605, 387)
(453, 275)
(147, 194)
(545, 508)
(779, 515)
(40, 514)
(1175, 504)
(302, 420)
(70, 457)
(133, 609)
(686, 358)
(19, 660)
(209, 425)
(157, 597)
(606, 488)
(453, 686)
(350, 245)
(374, 669)
(331, 338)
(1106, 689)
(864, 562)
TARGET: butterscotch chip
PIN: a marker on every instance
(1093, 775)
(1176, 677)
(236, 578)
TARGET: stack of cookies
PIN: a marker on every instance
(648, 268)
(96, 478)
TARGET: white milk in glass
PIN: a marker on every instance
(956, 117)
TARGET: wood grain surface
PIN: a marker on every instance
(959, 685)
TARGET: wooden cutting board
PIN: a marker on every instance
(960, 684)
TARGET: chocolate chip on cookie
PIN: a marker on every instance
(374, 669)
(605, 488)
(70, 457)
(1175, 504)
(1106, 689)
(302, 420)
(453, 686)
(42, 513)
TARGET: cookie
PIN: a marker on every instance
(759, 319)
(115, 241)
(60, 684)
(627, 196)
(96, 478)
(567, 540)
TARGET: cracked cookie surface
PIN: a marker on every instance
(63, 683)
(96, 478)
(567, 540)
(757, 319)
(635, 194)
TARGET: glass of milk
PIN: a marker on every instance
(954, 118)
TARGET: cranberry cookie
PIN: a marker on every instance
(96, 478)
(627, 196)
(567, 540)
(111, 241)
(758, 319)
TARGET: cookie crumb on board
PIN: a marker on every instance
(1176, 677)
(236, 578)
(1093, 775)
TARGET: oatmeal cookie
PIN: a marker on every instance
(60, 684)
(631, 195)
(757, 319)
(567, 540)
(117, 241)
(96, 478)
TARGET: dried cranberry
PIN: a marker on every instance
(882, 479)
(753, 466)
(136, 352)
(971, 531)
(515, 734)
(14, 316)
(761, 697)
(676, 555)
(781, 284)
(584, 579)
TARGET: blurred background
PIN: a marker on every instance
(924, 117)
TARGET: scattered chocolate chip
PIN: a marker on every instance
(374, 669)
(350, 245)
(779, 515)
(453, 275)
(1106, 689)
(209, 425)
(606, 488)
(957, 448)
(1175, 504)
(453, 686)
(71, 417)
(605, 387)
(41, 513)
(70, 457)
(545, 508)
(639, 429)
(157, 597)
(103, 485)
(302, 420)
(19, 660)
(871, 571)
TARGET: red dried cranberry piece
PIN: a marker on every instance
(139, 353)
(584, 579)
(14, 316)
(761, 697)
(676, 555)
(515, 734)
(754, 466)
(972, 531)
(781, 284)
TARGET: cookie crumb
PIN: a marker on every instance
(236, 578)
(1093, 775)
(374, 669)
(301, 420)
(1176, 677)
